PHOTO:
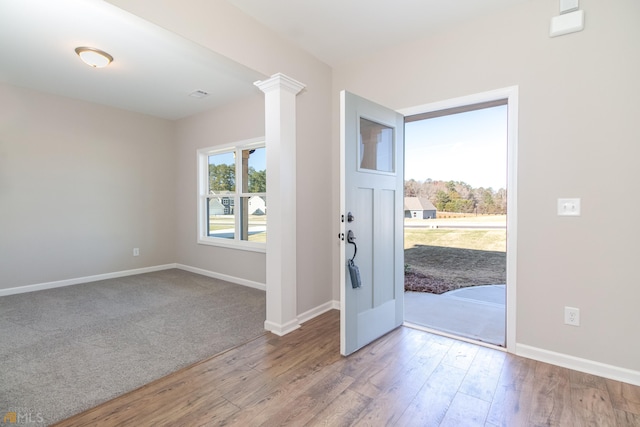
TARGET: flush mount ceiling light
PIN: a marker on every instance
(94, 57)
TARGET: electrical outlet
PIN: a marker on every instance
(569, 207)
(136, 251)
(572, 316)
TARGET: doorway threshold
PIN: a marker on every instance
(476, 313)
(453, 336)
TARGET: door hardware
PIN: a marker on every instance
(354, 271)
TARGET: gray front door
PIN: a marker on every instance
(372, 187)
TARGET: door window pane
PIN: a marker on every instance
(376, 146)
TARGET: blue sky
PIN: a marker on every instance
(469, 147)
(257, 159)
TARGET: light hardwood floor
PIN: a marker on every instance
(406, 378)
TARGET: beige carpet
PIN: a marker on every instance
(68, 349)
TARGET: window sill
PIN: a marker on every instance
(241, 246)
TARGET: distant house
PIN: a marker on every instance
(257, 206)
(228, 203)
(224, 205)
(215, 206)
(418, 207)
(221, 204)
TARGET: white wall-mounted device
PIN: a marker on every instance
(570, 20)
(569, 207)
(567, 6)
(567, 23)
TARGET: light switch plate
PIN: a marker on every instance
(569, 207)
(567, 23)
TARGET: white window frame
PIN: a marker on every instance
(203, 194)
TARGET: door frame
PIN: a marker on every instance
(511, 95)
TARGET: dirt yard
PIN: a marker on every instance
(438, 260)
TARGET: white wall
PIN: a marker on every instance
(578, 137)
(81, 185)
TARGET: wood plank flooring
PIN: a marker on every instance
(406, 378)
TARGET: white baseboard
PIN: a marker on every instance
(281, 330)
(294, 324)
(317, 311)
(227, 278)
(124, 273)
(80, 280)
(579, 364)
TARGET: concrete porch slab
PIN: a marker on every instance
(476, 312)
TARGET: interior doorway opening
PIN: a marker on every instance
(456, 208)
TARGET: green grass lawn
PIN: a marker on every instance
(485, 240)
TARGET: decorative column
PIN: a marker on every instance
(280, 140)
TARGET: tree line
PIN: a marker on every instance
(222, 177)
(458, 196)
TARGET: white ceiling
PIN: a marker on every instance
(154, 70)
(338, 30)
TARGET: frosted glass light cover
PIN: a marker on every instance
(94, 57)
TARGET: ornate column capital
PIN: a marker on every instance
(280, 81)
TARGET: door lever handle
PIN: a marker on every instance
(351, 239)
(356, 281)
